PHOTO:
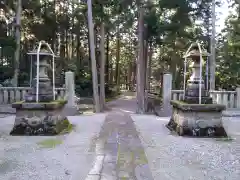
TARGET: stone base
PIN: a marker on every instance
(197, 119)
(39, 118)
(195, 100)
(71, 111)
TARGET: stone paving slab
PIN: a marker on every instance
(124, 156)
(172, 157)
(24, 158)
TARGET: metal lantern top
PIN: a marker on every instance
(195, 51)
(42, 48)
(43, 52)
(195, 89)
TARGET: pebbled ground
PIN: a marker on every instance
(35, 158)
(172, 157)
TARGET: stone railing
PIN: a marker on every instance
(9, 95)
(228, 98)
(177, 94)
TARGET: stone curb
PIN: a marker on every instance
(231, 115)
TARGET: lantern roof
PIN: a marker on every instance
(42, 48)
(194, 51)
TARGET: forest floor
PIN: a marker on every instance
(119, 144)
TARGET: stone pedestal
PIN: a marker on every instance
(167, 95)
(197, 119)
(39, 118)
(71, 106)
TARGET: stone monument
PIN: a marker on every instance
(195, 114)
(40, 113)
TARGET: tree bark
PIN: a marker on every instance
(102, 69)
(149, 68)
(18, 42)
(107, 60)
(140, 64)
(111, 74)
(117, 78)
(93, 59)
(78, 48)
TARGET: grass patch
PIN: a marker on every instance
(224, 139)
(50, 143)
(88, 112)
(142, 159)
(131, 158)
(69, 129)
(19, 102)
(64, 127)
(59, 101)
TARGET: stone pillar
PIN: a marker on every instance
(70, 88)
(167, 94)
(238, 97)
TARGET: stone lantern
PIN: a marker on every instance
(196, 115)
(40, 113)
(45, 90)
(196, 81)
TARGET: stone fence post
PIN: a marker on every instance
(167, 94)
(70, 88)
(238, 97)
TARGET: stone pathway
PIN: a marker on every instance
(121, 155)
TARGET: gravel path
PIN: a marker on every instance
(33, 158)
(172, 157)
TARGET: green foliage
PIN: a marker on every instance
(228, 59)
(63, 127)
(50, 143)
(7, 42)
(83, 81)
(165, 21)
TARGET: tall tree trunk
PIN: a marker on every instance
(72, 34)
(107, 60)
(18, 41)
(117, 78)
(130, 70)
(93, 58)
(213, 48)
(149, 68)
(67, 44)
(111, 74)
(140, 64)
(173, 69)
(134, 71)
(144, 70)
(89, 50)
(145, 56)
(78, 48)
(102, 69)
